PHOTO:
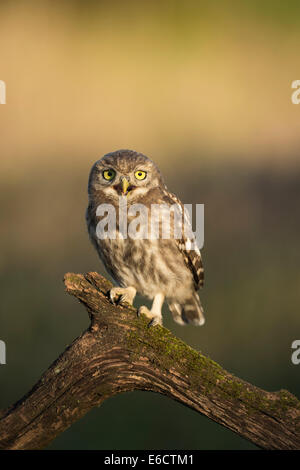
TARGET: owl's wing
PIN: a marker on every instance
(188, 246)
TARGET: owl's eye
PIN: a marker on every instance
(108, 175)
(140, 175)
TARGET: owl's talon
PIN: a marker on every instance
(122, 296)
(123, 300)
(155, 321)
(113, 296)
(144, 310)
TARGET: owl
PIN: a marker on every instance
(159, 268)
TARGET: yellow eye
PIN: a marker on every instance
(140, 175)
(109, 174)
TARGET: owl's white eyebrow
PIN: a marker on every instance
(103, 168)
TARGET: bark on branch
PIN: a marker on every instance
(119, 353)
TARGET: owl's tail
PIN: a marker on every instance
(190, 312)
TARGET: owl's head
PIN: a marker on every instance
(124, 172)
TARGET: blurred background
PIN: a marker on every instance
(202, 88)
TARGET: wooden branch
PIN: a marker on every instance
(119, 353)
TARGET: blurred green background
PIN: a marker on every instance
(202, 88)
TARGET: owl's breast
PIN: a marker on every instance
(150, 266)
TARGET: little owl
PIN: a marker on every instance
(156, 267)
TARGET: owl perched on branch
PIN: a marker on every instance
(160, 268)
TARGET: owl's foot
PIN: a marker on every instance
(155, 313)
(155, 318)
(122, 295)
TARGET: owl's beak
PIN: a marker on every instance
(125, 185)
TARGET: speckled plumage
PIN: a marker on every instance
(156, 268)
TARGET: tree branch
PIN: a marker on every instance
(119, 353)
